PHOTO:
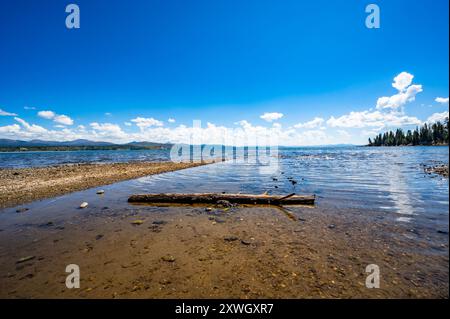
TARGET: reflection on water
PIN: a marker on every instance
(383, 179)
(390, 179)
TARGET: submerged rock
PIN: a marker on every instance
(84, 205)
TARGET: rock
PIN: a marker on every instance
(155, 228)
(208, 209)
(168, 258)
(100, 192)
(84, 205)
(98, 237)
(246, 242)
(24, 259)
(137, 222)
(442, 232)
(159, 222)
(22, 210)
(332, 226)
(219, 220)
(224, 203)
(230, 238)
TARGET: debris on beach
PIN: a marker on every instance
(214, 198)
(84, 205)
(137, 222)
(24, 259)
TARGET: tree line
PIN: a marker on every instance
(427, 134)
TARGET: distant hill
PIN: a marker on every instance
(80, 144)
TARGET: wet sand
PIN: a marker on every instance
(18, 186)
(216, 252)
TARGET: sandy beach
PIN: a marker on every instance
(19, 186)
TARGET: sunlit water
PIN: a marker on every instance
(379, 179)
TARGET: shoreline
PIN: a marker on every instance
(23, 185)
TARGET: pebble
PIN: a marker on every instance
(98, 237)
(100, 192)
(246, 242)
(331, 226)
(230, 238)
(169, 259)
(159, 222)
(84, 205)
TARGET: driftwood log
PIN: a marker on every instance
(213, 198)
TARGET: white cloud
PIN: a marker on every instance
(46, 114)
(442, 100)
(4, 113)
(144, 123)
(317, 121)
(60, 119)
(402, 81)
(406, 92)
(400, 99)
(10, 129)
(63, 119)
(269, 117)
(372, 119)
(31, 128)
(29, 108)
(438, 117)
(171, 120)
(128, 124)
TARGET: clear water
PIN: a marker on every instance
(389, 180)
(39, 159)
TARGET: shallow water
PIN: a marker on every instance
(385, 179)
(375, 205)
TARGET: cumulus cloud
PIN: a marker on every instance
(32, 128)
(144, 123)
(48, 115)
(316, 122)
(402, 81)
(60, 119)
(171, 120)
(10, 129)
(4, 113)
(438, 117)
(63, 119)
(442, 100)
(372, 119)
(406, 92)
(269, 117)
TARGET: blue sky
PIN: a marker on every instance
(222, 62)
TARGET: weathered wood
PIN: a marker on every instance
(213, 198)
